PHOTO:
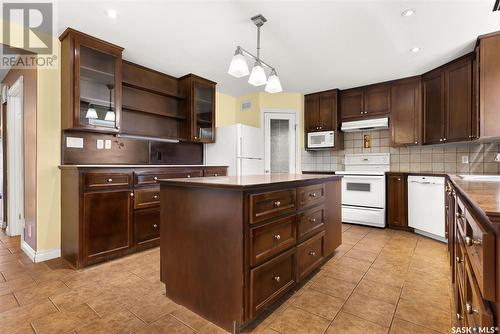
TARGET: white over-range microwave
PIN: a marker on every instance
(321, 139)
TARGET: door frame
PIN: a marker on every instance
(294, 113)
(15, 163)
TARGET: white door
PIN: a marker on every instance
(279, 142)
(15, 159)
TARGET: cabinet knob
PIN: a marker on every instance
(155, 196)
(189, 175)
(277, 237)
(366, 112)
(312, 220)
(458, 260)
(109, 180)
(468, 308)
(277, 203)
(472, 242)
(312, 253)
(195, 137)
(155, 226)
(440, 139)
(155, 178)
(216, 174)
(361, 113)
(416, 142)
(276, 279)
(459, 316)
(459, 215)
(312, 195)
(444, 139)
(399, 179)
(131, 194)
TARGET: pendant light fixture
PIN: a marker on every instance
(239, 68)
(91, 113)
(110, 114)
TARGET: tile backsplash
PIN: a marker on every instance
(429, 158)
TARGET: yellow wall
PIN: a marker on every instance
(225, 105)
(49, 157)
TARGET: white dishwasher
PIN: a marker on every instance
(426, 206)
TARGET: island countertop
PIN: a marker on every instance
(249, 181)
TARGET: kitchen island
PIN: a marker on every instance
(232, 246)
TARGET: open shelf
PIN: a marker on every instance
(151, 90)
(92, 74)
(96, 102)
(159, 113)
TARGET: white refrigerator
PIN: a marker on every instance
(240, 147)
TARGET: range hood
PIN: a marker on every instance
(368, 124)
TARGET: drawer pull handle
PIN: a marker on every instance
(155, 226)
(312, 195)
(312, 220)
(277, 237)
(109, 180)
(312, 253)
(459, 215)
(470, 309)
(472, 242)
(155, 196)
(276, 279)
(155, 178)
(277, 203)
(458, 260)
(459, 316)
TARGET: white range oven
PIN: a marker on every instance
(363, 188)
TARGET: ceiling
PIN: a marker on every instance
(314, 45)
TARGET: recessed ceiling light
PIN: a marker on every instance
(111, 13)
(415, 49)
(408, 12)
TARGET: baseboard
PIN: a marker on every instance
(41, 255)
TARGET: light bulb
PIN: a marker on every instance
(258, 75)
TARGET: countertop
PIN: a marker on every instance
(243, 182)
(133, 166)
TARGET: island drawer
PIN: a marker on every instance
(146, 225)
(311, 221)
(480, 248)
(214, 171)
(271, 204)
(271, 280)
(477, 311)
(270, 239)
(146, 197)
(311, 195)
(148, 178)
(310, 255)
(94, 181)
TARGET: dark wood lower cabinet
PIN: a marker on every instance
(242, 247)
(110, 212)
(397, 200)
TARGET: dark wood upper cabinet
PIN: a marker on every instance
(91, 80)
(376, 100)
(488, 84)
(406, 109)
(458, 79)
(448, 111)
(363, 102)
(433, 91)
(351, 104)
(198, 106)
(396, 201)
(311, 112)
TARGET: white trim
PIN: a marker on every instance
(28, 250)
(42, 255)
(298, 121)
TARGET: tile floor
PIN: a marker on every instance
(379, 281)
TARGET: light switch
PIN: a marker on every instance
(107, 144)
(465, 159)
(100, 144)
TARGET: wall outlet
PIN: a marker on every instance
(465, 159)
(100, 144)
(497, 157)
(107, 144)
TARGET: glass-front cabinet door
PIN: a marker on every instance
(203, 111)
(91, 79)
